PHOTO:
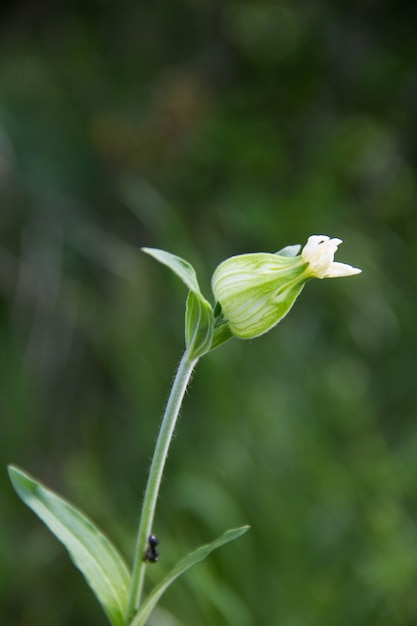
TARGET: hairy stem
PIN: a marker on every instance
(166, 431)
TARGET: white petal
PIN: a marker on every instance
(319, 254)
(310, 249)
(338, 270)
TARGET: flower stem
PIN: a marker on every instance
(169, 420)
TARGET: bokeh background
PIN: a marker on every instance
(211, 128)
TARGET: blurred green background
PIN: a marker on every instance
(211, 128)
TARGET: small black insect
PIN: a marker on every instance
(151, 553)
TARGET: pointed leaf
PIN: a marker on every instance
(91, 552)
(199, 318)
(191, 559)
(289, 251)
(222, 332)
(199, 325)
(179, 266)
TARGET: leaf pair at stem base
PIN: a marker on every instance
(95, 556)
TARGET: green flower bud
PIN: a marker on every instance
(255, 291)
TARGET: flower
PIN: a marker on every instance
(319, 253)
(256, 291)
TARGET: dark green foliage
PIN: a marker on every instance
(210, 129)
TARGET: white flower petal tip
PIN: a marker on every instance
(338, 270)
(319, 253)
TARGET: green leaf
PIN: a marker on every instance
(93, 554)
(290, 251)
(222, 332)
(199, 318)
(191, 559)
(199, 325)
(179, 266)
